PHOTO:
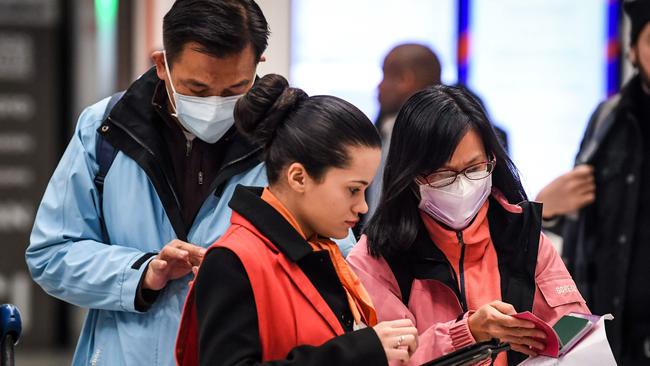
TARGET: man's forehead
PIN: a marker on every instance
(201, 68)
(194, 54)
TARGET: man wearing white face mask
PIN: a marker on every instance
(208, 118)
(123, 241)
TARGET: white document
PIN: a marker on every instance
(592, 350)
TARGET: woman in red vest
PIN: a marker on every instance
(274, 289)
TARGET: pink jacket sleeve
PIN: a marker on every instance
(556, 293)
(376, 276)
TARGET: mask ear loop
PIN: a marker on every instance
(415, 189)
(169, 76)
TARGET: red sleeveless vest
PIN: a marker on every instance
(290, 310)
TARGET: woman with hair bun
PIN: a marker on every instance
(274, 289)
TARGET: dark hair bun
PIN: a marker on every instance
(261, 111)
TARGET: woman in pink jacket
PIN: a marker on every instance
(454, 245)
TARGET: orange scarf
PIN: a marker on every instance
(358, 298)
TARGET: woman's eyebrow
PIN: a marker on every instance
(474, 160)
(360, 182)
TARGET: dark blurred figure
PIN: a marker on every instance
(407, 69)
(607, 244)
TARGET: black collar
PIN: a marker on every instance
(133, 127)
(316, 265)
(631, 93)
(247, 202)
(515, 237)
(135, 114)
(508, 231)
(138, 112)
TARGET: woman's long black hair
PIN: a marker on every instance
(428, 128)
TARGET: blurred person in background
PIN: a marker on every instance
(124, 247)
(407, 69)
(602, 206)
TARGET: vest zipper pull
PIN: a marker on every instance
(200, 178)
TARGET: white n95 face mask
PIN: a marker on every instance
(457, 204)
(208, 118)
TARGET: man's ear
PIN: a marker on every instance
(297, 177)
(158, 59)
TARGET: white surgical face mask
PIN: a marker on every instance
(208, 118)
(457, 204)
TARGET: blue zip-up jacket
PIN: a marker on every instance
(73, 259)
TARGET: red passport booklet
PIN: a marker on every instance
(564, 334)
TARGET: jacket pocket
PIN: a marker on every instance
(560, 291)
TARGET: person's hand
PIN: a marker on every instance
(398, 337)
(569, 192)
(174, 261)
(494, 321)
(195, 272)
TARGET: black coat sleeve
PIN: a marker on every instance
(567, 227)
(228, 326)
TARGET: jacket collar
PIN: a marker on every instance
(278, 234)
(475, 233)
(514, 230)
(476, 237)
(630, 94)
(247, 202)
(133, 127)
(496, 209)
(135, 114)
(138, 112)
(632, 98)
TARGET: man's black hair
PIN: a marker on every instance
(221, 28)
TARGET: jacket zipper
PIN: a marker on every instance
(148, 149)
(188, 147)
(461, 271)
(233, 162)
